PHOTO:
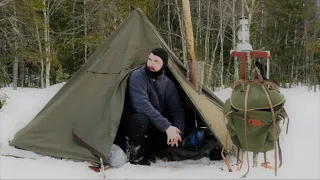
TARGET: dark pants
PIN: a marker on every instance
(143, 138)
(263, 69)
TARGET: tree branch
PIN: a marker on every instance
(4, 2)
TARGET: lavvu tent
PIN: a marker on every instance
(81, 121)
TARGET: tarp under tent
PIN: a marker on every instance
(81, 121)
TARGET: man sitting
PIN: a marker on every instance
(144, 129)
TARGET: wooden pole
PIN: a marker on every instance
(189, 39)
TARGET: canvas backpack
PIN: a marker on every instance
(253, 114)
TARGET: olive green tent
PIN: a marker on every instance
(81, 121)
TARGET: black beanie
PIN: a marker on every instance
(163, 54)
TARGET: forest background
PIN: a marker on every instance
(44, 42)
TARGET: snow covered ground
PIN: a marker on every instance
(300, 147)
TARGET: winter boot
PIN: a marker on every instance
(135, 154)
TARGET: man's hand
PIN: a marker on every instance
(175, 142)
(173, 136)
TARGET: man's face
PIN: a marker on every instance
(154, 63)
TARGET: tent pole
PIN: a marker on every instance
(190, 40)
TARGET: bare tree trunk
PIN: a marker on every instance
(221, 29)
(213, 58)
(85, 30)
(312, 74)
(305, 40)
(299, 63)
(198, 23)
(305, 55)
(276, 57)
(221, 62)
(16, 60)
(262, 26)
(292, 80)
(5, 74)
(15, 65)
(22, 73)
(4, 2)
(250, 11)
(228, 70)
(207, 40)
(287, 33)
(234, 42)
(275, 47)
(47, 41)
(291, 73)
(183, 39)
(169, 24)
(29, 78)
(40, 50)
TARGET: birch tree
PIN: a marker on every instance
(250, 6)
(211, 66)
(207, 37)
(47, 41)
(222, 26)
(35, 7)
(198, 27)
(13, 21)
(234, 41)
(50, 7)
(181, 27)
(5, 2)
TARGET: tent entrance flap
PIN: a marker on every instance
(195, 119)
(207, 106)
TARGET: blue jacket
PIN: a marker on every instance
(154, 97)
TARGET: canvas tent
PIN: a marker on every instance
(81, 121)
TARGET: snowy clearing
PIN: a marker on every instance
(300, 147)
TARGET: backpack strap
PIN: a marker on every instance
(274, 129)
(245, 127)
(241, 163)
(285, 112)
(265, 164)
(269, 84)
(238, 158)
(280, 154)
(223, 156)
(256, 74)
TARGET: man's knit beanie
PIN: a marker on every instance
(163, 54)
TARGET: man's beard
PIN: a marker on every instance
(153, 74)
